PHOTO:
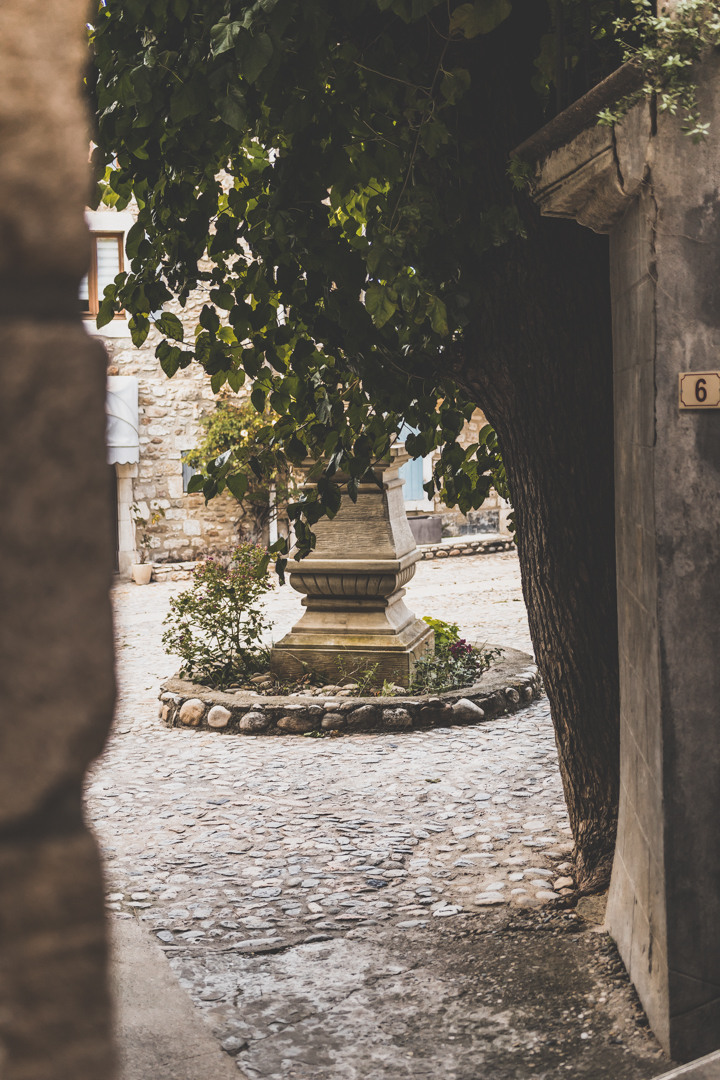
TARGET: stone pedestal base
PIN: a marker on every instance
(338, 640)
(353, 583)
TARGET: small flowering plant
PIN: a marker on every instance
(216, 627)
(454, 664)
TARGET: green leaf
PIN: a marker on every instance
(258, 399)
(209, 319)
(169, 357)
(438, 316)
(296, 449)
(217, 380)
(479, 18)
(433, 135)
(378, 304)
(423, 7)
(223, 36)
(237, 485)
(256, 56)
(232, 112)
(186, 101)
(139, 327)
(169, 325)
(106, 313)
(140, 78)
(455, 84)
(223, 298)
(235, 380)
(133, 239)
(195, 483)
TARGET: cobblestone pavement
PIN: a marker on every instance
(317, 897)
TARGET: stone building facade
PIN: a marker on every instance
(146, 449)
(655, 194)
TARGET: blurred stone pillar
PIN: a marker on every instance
(56, 662)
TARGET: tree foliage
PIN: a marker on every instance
(314, 165)
(253, 477)
(666, 45)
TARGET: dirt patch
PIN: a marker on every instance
(492, 997)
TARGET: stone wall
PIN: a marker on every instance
(656, 194)
(170, 411)
(638, 903)
(664, 906)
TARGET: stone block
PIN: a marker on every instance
(366, 716)
(397, 718)
(332, 720)
(298, 723)
(254, 722)
(219, 717)
(465, 709)
(192, 712)
(436, 714)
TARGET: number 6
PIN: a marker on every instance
(700, 390)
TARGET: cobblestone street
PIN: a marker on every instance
(370, 906)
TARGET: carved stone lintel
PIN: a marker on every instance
(353, 586)
(594, 178)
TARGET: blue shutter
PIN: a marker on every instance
(412, 471)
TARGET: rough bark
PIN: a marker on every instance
(538, 360)
(548, 394)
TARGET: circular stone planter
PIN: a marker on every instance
(511, 683)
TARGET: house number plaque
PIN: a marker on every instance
(699, 390)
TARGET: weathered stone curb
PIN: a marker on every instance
(705, 1068)
(510, 683)
(466, 547)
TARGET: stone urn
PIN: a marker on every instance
(353, 587)
(141, 573)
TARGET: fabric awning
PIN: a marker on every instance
(121, 405)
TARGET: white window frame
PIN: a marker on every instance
(109, 221)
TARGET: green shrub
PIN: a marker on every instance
(455, 663)
(446, 634)
(216, 627)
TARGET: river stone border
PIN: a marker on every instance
(464, 545)
(512, 682)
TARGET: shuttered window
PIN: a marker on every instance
(106, 262)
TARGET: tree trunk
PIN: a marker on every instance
(548, 393)
(538, 360)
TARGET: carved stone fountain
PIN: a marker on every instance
(353, 586)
